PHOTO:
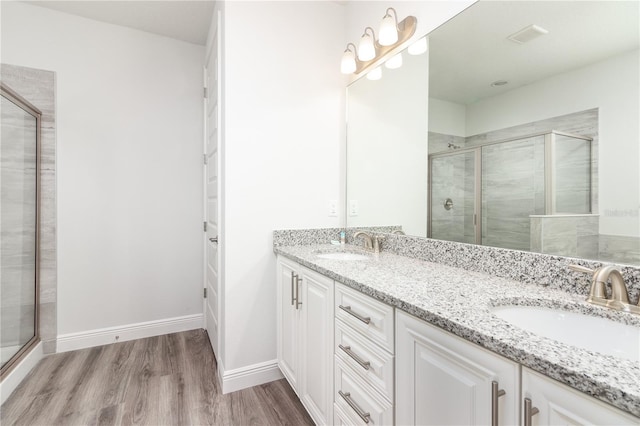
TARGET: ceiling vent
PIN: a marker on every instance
(527, 34)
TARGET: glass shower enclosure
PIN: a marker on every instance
(485, 194)
(19, 220)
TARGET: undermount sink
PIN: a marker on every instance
(343, 255)
(587, 332)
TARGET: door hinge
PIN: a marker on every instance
(204, 158)
(205, 293)
(205, 92)
(204, 226)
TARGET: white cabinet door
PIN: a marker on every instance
(288, 322)
(316, 351)
(558, 404)
(444, 380)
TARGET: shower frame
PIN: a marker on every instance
(28, 107)
(549, 175)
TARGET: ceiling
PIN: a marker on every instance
(471, 51)
(185, 20)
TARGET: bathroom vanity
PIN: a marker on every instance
(389, 339)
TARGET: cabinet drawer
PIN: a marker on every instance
(373, 364)
(359, 401)
(370, 317)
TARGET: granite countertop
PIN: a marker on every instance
(460, 302)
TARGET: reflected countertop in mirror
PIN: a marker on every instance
(518, 129)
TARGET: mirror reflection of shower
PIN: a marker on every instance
(507, 190)
(19, 183)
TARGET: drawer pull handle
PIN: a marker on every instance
(356, 358)
(529, 412)
(347, 397)
(348, 310)
(496, 393)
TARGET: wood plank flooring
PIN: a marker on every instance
(164, 380)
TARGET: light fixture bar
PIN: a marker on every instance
(406, 29)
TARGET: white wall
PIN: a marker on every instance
(129, 138)
(612, 86)
(283, 131)
(448, 118)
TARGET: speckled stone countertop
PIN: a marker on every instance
(460, 302)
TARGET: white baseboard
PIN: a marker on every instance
(105, 336)
(246, 377)
(19, 372)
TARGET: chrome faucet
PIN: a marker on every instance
(618, 286)
(368, 240)
(619, 296)
(371, 242)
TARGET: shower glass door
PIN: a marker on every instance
(18, 227)
(453, 196)
(513, 187)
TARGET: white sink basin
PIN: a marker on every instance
(342, 255)
(592, 333)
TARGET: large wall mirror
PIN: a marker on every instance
(519, 128)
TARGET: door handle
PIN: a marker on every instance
(214, 239)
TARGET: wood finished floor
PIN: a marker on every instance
(164, 380)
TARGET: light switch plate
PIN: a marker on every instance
(353, 208)
(333, 208)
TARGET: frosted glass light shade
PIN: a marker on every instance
(366, 49)
(375, 74)
(388, 31)
(419, 47)
(348, 63)
(395, 62)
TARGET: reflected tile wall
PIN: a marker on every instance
(566, 235)
(38, 87)
(616, 248)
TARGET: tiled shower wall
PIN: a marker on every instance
(38, 87)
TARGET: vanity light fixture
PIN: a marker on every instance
(389, 28)
(375, 74)
(394, 62)
(366, 48)
(371, 52)
(419, 47)
(348, 64)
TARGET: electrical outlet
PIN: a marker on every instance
(333, 208)
(353, 208)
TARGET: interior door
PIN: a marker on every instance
(212, 191)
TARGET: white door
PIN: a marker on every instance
(212, 191)
(443, 380)
(317, 345)
(558, 404)
(288, 321)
